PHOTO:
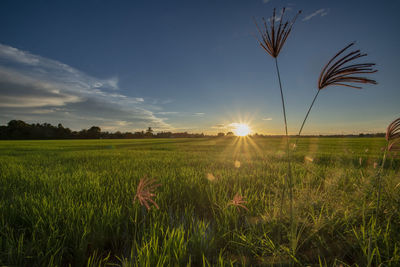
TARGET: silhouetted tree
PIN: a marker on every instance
(164, 135)
(149, 132)
(94, 132)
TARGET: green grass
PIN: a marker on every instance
(71, 203)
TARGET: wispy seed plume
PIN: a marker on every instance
(144, 192)
(273, 35)
(238, 202)
(340, 71)
(393, 134)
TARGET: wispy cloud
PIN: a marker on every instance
(267, 119)
(219, 126)
(167, 112)
(235, 124)
(34, 88)
(199, 114)
(12, 54)
(322, 12)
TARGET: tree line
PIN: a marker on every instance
(18, 130)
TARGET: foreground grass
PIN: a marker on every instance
(71, 203)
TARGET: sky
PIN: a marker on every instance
(193, 66)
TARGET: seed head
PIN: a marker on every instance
(238, 202)
(274, 36)
(144, 192)
(339, 72)
(393, 135)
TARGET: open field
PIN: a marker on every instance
(71, 202)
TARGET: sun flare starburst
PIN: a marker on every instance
(241, 129)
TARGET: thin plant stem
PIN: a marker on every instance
(379, 178)
(289, 179)
(380, 182)
(284, 117)
(282, 98)
(305, 119)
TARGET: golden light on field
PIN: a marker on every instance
(241, 129)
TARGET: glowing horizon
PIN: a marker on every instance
(241, 129)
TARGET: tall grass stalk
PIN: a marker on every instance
(379, 180)
(273, 38)
(392, 138)
(339, 71)
(305, 118)
(289, 169)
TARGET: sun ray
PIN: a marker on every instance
(255, 147)
(230, 148)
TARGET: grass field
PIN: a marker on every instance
(71, 203)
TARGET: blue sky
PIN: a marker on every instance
(192, 65)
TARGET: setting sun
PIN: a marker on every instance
(241, 129)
